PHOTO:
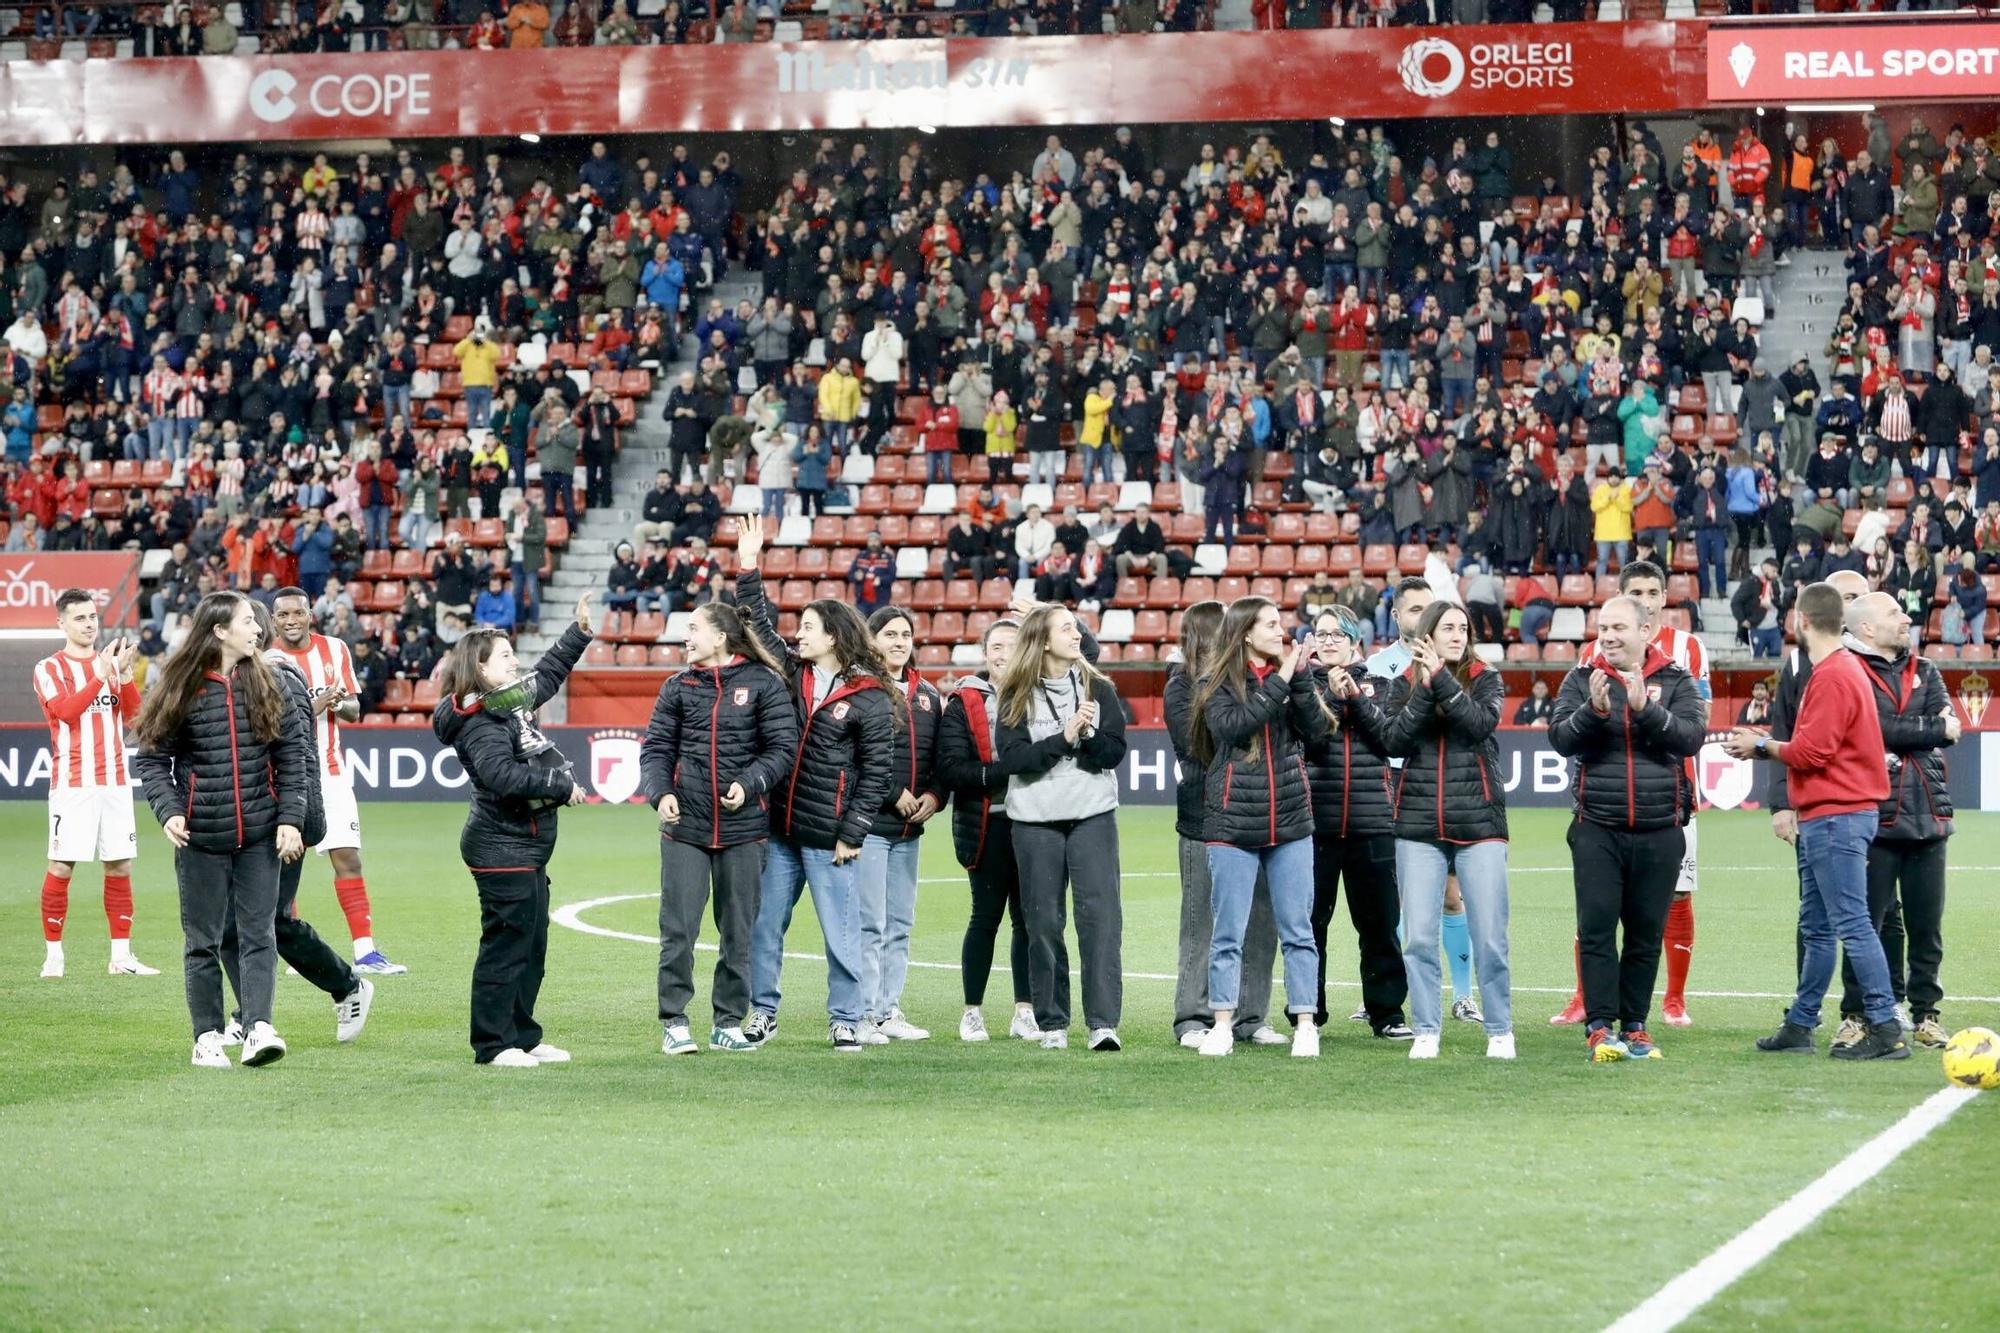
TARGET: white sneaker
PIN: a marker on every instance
(1305, 1042)
(233, 1034)
(1105, 1039)
(128, 966)
(546, 1054)
(1267, 1036)
(1903, 1019)
(351, 1014)
(1360, 1015)
(1023, 1026)
(972, 1027)
(1054, 1041)
(898, 1028)
(208, 1052)
(1193, 1038)
(52, 967)
(1219, 1040)
(1425, 1046)
(1500, 1047)
(678, 1040)
(513, 1058)
(870, 1032)
(262, 1046)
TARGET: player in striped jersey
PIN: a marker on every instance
(329, 673)
(1645, 583)
(88, 696)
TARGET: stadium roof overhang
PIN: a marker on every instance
(1375, 73)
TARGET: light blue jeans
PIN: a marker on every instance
(787, 870)
(1833, 905)
(886, 890)
(1421, 868)
(1232, 873)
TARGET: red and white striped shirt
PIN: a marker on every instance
(326, 663)
(161, 391)
(1685, 651)
(87, 720)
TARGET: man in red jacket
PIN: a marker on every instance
(1837, 772)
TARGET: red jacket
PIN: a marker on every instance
(1835, 760)
(1350, 328)
(937, 428)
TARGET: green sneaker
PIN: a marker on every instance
(730, 1039)
(678, 1041)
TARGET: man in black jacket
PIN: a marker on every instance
(660, 511)
(1631, 719)
(1141, 545)
(1908, 854)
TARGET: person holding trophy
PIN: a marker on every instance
(486, 713)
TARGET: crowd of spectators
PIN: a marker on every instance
(320, 373)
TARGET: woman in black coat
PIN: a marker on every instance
(830, 800)
(1450, 813)
(721, 740)
(519, 781)
(225, 772)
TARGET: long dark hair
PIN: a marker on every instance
(852, 645)
(737, 640)
(1198, 626)
(460, 676)
(186, 671)
(1428, 623)
(1227, 665)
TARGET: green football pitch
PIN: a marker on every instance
(394, 1183)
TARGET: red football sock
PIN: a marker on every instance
(353, 895)
(118, 905)
(55, 906)
(1679, 941)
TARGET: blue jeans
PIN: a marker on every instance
(375, 526)
(886, 888)
(1767, 642)
(774, 504)
(478, 406)
(1833, 904)
(1457, 397)
(1096, 463)
(396, 403)
(1534, 619)
(415, 529)
(1421, 868)
(1396, 368)
(938, 465)
(1232, 873)
(788, 869)
(528, 593)
(1605, 550)
(1711, 560)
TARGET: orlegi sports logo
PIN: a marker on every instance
(405, 96)
(1438, 67)
(614, 765)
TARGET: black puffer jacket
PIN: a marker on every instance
(842, 771)
(515, 794)
(1350, 774)
(1190, 816)
(970, 769)
(293, 681)
(916, 753)
(1911, 699)
(1449, 787)
(1256, 788)
(1631, 769)
(234, 789)
(713, 727)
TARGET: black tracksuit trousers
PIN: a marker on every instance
(299, 945)
(513, 949)
(1622, 878)
(685, 875)
(1368, 866)
(1908, 876)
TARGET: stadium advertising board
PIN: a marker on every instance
(408, 764)
(1370, 72)
(1849, 61)
(29, 582)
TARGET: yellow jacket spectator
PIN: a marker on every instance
(1612, 503)
(839, 394)
(1002, 426)
(478, 361)
(1096, 414)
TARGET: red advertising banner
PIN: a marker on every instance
(1847, 62)
(1254, 76)
(29, 582)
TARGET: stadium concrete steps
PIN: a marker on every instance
(1810, 291)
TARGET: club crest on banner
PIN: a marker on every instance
(614, 765)
(1724, 782)
(1974, 693)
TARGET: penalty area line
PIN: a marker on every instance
(1689, 1292)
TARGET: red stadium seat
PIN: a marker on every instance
(1164, 593)
(1377, 561)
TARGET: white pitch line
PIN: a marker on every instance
(570, 917)
(1699, 1285)
(1512, 870)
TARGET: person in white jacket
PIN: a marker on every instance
(1034, 538)
(882, 365)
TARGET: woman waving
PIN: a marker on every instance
(519, 781)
